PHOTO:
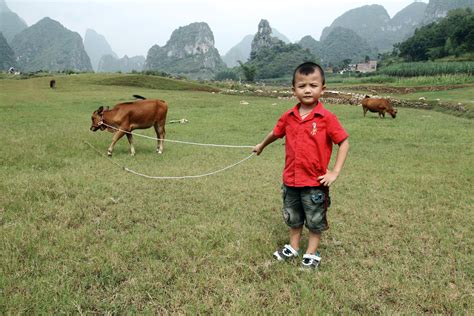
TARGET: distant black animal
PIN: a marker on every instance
(52, 84)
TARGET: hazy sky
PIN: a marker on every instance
(132, 26)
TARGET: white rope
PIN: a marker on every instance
(173, 141)
(188, 177)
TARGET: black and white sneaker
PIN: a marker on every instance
(286, 253)
(311, 262)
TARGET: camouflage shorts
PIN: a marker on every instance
(306, 205)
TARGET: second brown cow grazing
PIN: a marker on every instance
(378, 106)
(128, 116)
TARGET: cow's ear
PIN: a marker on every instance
(100, 110)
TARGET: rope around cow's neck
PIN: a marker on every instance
(175, 141)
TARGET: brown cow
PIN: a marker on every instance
(128, 116)
(378, 105)
(52, 83)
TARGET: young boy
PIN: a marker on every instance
(310, 131)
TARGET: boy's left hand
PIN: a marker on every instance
(328, 178)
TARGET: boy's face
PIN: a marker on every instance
(308, 88)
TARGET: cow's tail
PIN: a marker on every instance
(136, 96)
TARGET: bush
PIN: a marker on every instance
(226, 75)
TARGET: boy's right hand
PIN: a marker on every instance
(258, 149)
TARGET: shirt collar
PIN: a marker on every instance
(318, 109)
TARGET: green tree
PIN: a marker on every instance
(449, 47)
(453, 35)
(226, 75)
(248, 70)
(345, 63)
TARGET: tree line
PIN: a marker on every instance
(450, 36)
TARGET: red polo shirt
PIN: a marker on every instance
(308, 144)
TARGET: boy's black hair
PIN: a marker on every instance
(308, 68)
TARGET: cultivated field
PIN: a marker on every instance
(80, 235)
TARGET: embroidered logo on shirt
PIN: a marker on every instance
(314, 130)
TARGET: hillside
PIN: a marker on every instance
(47, 45)
(241, 51)
(404, 23)
(10, 23)
(368, 22)
(372, 22)
(271, 57)
(109, 63)
(437, 9)
(7, 56)
(340, 45)
(450, 36)
(344, 44)
(313, 45)
(190, 52)
(96, 46)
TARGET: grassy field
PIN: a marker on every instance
(80, 235)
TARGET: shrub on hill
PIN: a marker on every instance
(453, 35)
(226, 75)
(279, 60)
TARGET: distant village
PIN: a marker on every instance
(369, 66)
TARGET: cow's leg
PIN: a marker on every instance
(130, 141)
(117, 136)
(365, 110)
(160, 134)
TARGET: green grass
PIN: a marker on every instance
(152, 82)
(438, 80)
(444, 93)
(446, 101)
(79, 235)
(458, 101)
(428, 68)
